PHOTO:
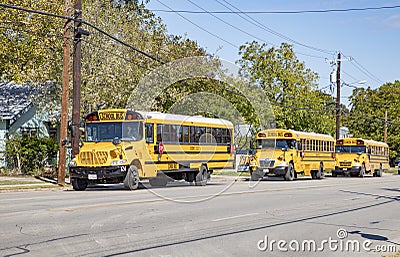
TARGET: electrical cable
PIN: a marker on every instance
(265, 28)
(283, 12)
(83, 22)
(200, 27)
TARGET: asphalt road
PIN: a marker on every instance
(328, 217)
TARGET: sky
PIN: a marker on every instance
(368, 40)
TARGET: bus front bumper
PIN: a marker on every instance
(277, 171)
(98, 173)
(347, 170)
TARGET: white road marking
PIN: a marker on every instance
(238, 216)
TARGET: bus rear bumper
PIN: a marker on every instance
(96, 174)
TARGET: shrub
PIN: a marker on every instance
(29, 155)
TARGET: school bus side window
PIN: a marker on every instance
(159, 131)
(149, 128)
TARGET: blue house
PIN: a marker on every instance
(20, 116)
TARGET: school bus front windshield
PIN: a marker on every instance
(108, 131)
(268, 144)
(349, 149)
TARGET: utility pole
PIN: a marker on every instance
(65, 97)
(76, 101)
(385, 128)
(338, 97)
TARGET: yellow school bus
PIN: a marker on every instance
(287, 153)
(357, 157)
(126, 146)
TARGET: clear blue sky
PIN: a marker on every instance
(371, 37)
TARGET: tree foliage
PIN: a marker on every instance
(366, 117)
(290, 86)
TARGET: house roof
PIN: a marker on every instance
(15, 100)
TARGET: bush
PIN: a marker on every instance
(29, 155)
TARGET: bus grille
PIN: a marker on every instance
(96, 158)
(267, 163)
(346, 164)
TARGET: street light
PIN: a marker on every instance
(353, 85)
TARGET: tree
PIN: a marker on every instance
(290, 86)
(368, 106)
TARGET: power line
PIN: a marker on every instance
(265, 28)
(227, 23)
(83, 22)
(282, 12)
(361, 68)
(245, 32)
(375, 78)
(198, 26)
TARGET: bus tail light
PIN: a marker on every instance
(302, 154)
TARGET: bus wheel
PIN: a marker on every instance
(255, 176)
(334, 174)
(201, 177)
(313, 174)
(320, 173)
(362, 171)
(289, 176)
(79, 184)
(380, 171)
(131, 180)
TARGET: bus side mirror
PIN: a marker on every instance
(73, 131)
(299, 146)
(251, 144)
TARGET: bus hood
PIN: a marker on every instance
(101, 154)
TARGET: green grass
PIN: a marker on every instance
(18, 182)
(391, 170)
(230, 173)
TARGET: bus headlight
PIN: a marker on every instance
(118, 162)
(72, 163)
(282, 164)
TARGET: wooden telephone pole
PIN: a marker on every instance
(76, 101)
(338, 97)
(65, 98)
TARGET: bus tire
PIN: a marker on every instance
(289, 176)
(362, 171)
(334, 174)
(79, 184)
(255, 176)
(380, 171)
(201, 177)
(313, 174)
(131, 180)
(320, 173)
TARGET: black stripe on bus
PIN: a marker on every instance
(195, 152)
(194, 161)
